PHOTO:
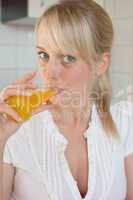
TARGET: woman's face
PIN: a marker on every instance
(67, 73)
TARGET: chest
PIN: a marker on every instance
(76, 155)
(106, 168)
(77, 158)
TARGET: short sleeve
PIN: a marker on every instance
(128, 142)
(123, 116)
(7, 156)
(11, 148)
(18, 148)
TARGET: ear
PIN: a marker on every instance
(103, 64)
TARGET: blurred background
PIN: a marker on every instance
(17, 41)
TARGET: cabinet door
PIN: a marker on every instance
(37, 7)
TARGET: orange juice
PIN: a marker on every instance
(24, 105)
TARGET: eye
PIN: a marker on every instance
(69, 59)
(43, 56)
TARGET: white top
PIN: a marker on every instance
(42, 172)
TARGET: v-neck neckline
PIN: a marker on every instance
(72, 183)
(61, 136)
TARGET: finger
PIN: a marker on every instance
(5, 108)
(26, 78)
(23, 86)
(15, 92)
(41, 108)
(10, 91)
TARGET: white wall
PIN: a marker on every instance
(17, 52)
(121, 13)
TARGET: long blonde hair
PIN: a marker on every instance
(84, 26)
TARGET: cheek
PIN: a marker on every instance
(76, 76)
(40, 62)
(43, 76)
(42, 71)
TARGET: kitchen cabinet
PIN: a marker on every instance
(23, 11)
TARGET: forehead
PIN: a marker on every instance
(44, 40)
(51, 41)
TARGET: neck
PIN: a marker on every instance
(75, 116)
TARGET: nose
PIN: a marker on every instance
(53, 69)
(52, 72)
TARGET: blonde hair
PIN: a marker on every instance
(84, 26)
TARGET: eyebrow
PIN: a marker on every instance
(39, 47)
(42, 48)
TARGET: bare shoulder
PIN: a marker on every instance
(122, 113)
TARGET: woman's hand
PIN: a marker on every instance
(10, 120)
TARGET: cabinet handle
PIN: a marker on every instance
(42, 2)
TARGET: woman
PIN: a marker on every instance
(79, 146)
